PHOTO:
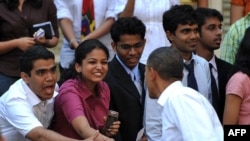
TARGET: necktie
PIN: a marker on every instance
(136, 82)
(215, 94)
(191, 78)
(88, 17)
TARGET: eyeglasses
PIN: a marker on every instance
(136, 46)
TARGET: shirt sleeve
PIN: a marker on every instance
(63, 9)
(237, 84)
(119, 6)
(110, 13)
(20, 115)
(191, 115)
(70, 102)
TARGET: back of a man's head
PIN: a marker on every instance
(127, 25)
(167, 61)
(178, 14)
(34, 53)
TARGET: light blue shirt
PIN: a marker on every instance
(135, 70)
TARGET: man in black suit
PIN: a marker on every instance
(210, 29)
(126, 75)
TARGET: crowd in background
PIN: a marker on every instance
(151, 61)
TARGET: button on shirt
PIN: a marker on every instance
(21, 111)
(179, 122)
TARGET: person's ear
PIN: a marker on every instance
(153, 74)
(169, 35)
(114, 46)
(78, 68)
(25, 77)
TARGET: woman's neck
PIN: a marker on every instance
(92, 87)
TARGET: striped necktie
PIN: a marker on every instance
(88, 18)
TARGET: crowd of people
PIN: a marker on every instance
(151, 62)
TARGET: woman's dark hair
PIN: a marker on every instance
(242, 57)
(81, 52)
(13, 4)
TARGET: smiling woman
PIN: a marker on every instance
(82, 91)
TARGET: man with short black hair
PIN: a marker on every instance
(210, 30)
(186, 114)
(27, 108)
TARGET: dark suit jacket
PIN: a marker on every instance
(125, 99)
(223, 68)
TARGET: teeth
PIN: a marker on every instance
(98, 74)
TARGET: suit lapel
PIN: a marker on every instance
(124, 78)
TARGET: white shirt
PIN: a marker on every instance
(21, 111)
(151, 12)
(214, 70)
(202, 75)
(152, 111)
(188, 116)
(72, 9)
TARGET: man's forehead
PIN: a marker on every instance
(212, 20)
(43, 64)
(187, 26)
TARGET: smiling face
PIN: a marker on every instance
(94, 67)
(42, 78)
(129, 49)
(211, 32)
(185, 39)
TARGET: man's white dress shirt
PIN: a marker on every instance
(188, 116)
(21, 111)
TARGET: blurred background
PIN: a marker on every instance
(221, 5)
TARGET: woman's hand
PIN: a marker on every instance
(25, 43)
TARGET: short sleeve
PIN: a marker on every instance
(70, 102)
(237, 84)
(63, 9)
(20, 115)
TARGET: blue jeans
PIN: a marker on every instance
(5, 82)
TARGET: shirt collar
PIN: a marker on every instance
(135, 70)
(212, 61)
(189, 61)
(32, 97)
(169, 91)
(87, 93)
